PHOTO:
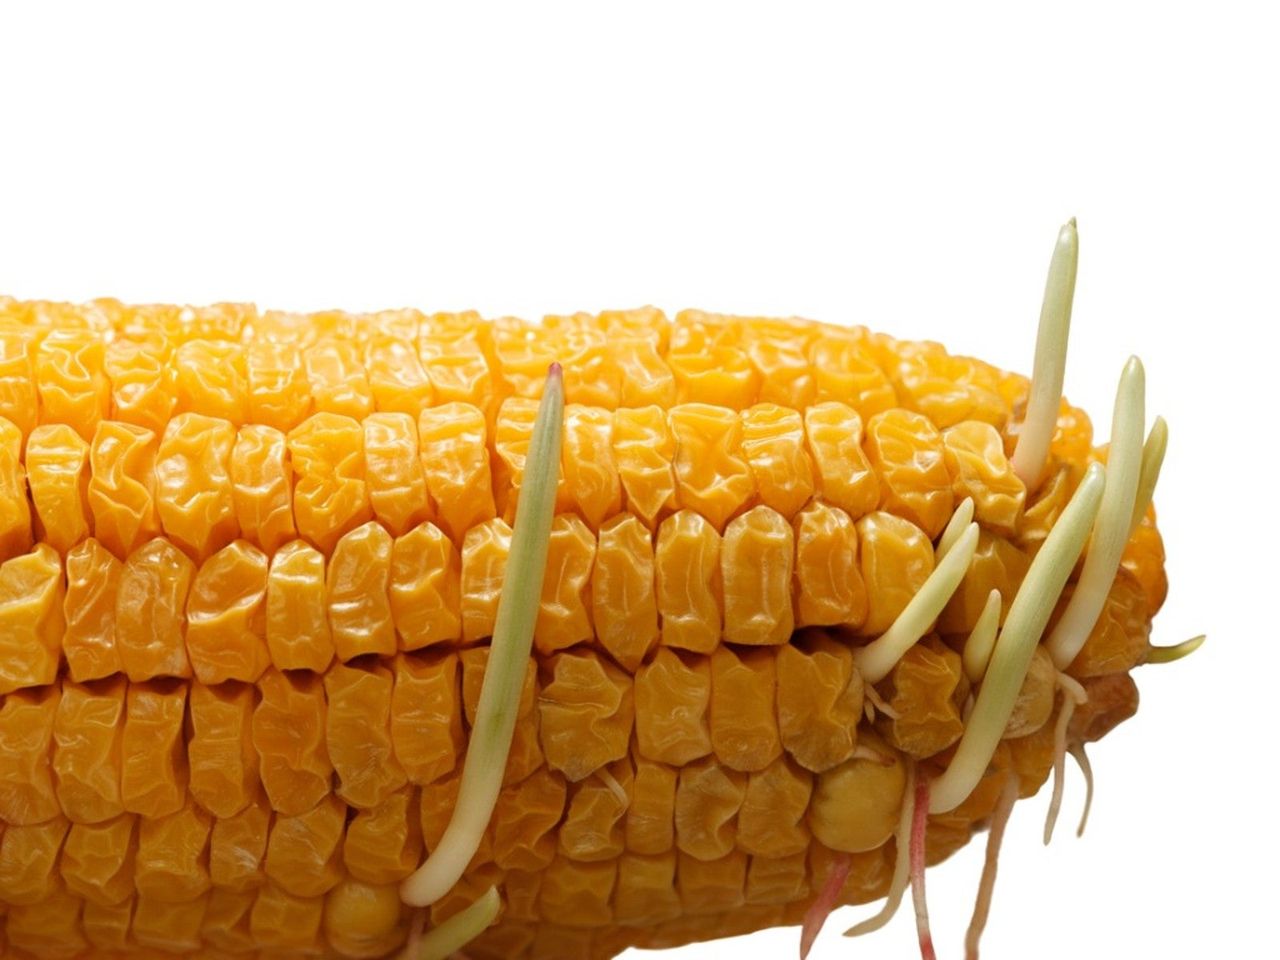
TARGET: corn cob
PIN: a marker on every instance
(252, 563)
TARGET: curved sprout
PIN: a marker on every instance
(1073, 695)
(987, 886)
(877, 658)
(1111, 533)
(1172, 654)
(1153, 452)
(982, 639)
(901, 866)
(1032, 451)
(491, 734)
(455, 933)
(1028, 615)
(956, 527)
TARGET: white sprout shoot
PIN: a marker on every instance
(1073, 695)
(491, 734)
(448, 938)
(982, 638)
(919, 832)
(1028, 615)
(956, 527)
(1176, 652)
(1152, 460)
(1032, 451)
(1111, 532)
(827, 900)
(877, 658)
(1081, 758)
(901, 865)
(987, 886)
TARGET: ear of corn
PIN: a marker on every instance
(250, 566)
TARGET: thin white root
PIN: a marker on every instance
(1111, 532)
(1073, 695)
(442, 942)
(1016, 644)
(982, 639)
(1051, 360)
(1153, 452)
(614, 786)
(1077, 751)
(879, 657)
(987, 886)
(901, 864)
(876, 704)
(494, 727)
(955, 528)
(1175, 653)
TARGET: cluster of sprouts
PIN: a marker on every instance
(1097, 522)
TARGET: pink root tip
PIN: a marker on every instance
(919, 830)
(825, 902)
(555, 370)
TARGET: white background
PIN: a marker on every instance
(908, 171)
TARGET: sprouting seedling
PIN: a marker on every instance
(448, 938)
(901, 866)
(1073, 695)
(987, 886)
(1152, 460)
(491, 735)
(1176, 652)
(982, 638)
(955, 528)
(1115, 516)
(877, 658)
(1032, 451)
(1028, 615)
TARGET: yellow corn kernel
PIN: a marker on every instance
(87, 730)
(358, 732)
(906, 451)
(744, 727)
(586, 713)
(31, 619)
(393, 470)
(773, 441)
(712, 476)
(644, 451)
(424, 590)
(89, 638)
(57, 464)
(261, 487)
(484, 565)
(591, 477)
(298, 634)
(623, 604)
(26, 773)
(396, 378)
(687, 561)
(756, 560)
(226, 616)
(144, 389)
(564, 616)
(279, 395)
(845, 477)
(356, 593)
(455, 462)
(975, 457)
(330, 495)
(220, 751)
(150, 612)
(122, 486)
(673, 696)
(71, 376)
(339, 384)
(211, 380)
(896, 558)
(829, 590)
